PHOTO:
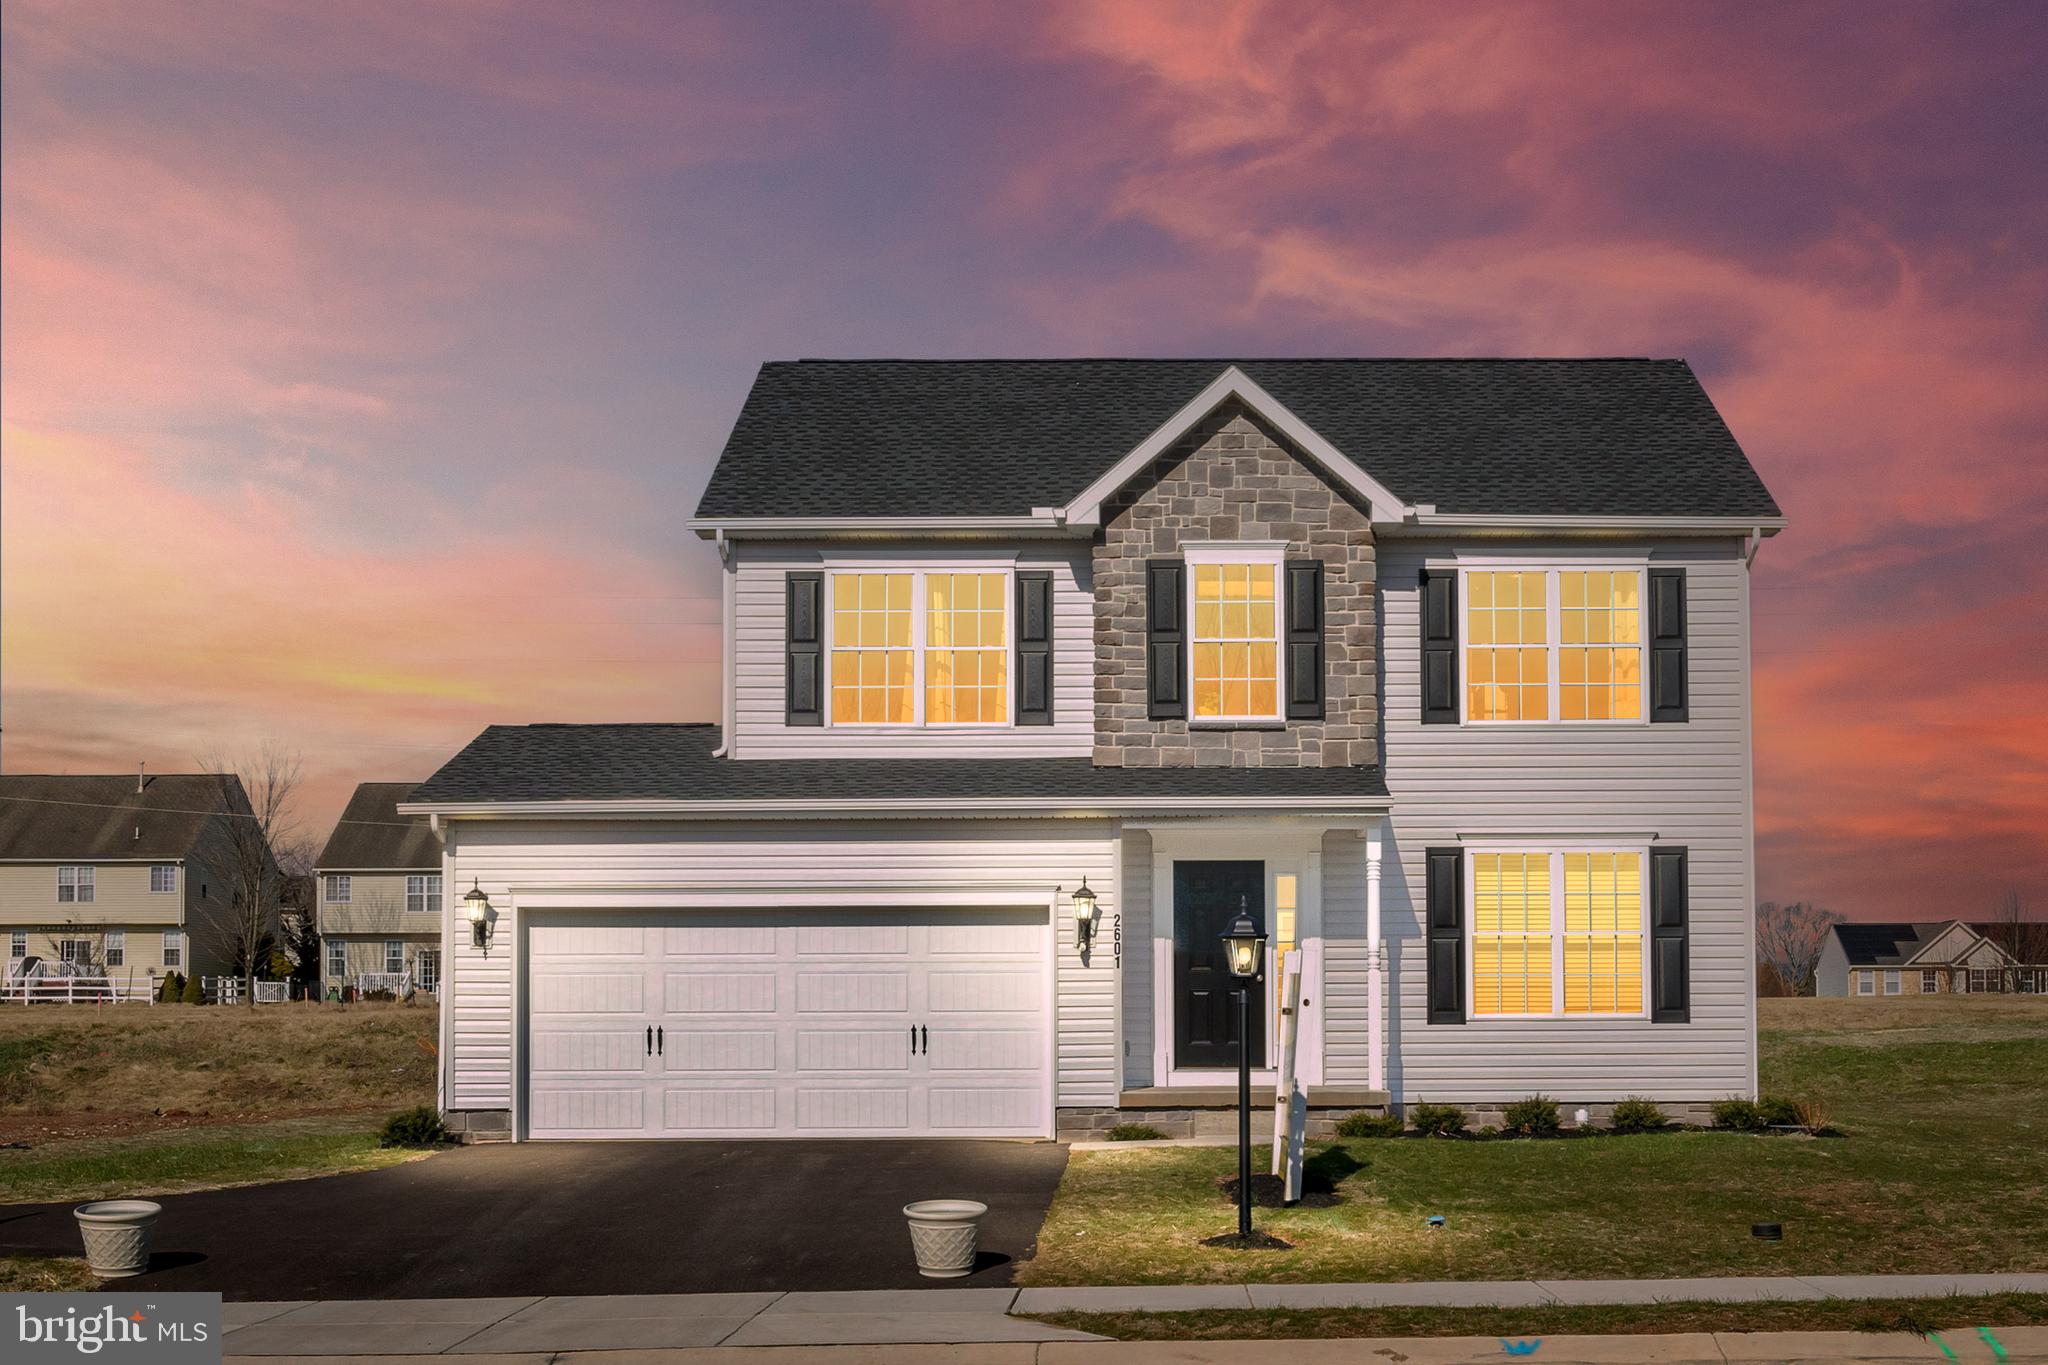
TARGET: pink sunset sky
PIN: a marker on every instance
(361, 361)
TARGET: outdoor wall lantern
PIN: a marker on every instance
(1084, 916)
(477, 905)
(1245, 942)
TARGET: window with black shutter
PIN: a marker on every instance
(1304, 629)
(1165, 639)
(803, 649)
(1670, 947)
(1668, 663)
(1445, 934)
(1034, 647)
(1439, 646)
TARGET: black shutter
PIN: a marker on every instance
(1667, 646)
(1166, 663)
(803, 650)
(1445, 939)
(1034, 647)
(1670, 991)
(1304, 639)
(1439, 646)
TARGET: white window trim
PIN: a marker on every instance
(17, 945)
(170, 890)
(81, 885)
(1553, 635)
(1892, 984)
(330, 882)
(1555, 851)
(116, 948)
(1930, 981)
(394, 946)
(174, 949)
(918, 571)
(337, 958)
(429, 893)
(1196, 553)
(420, 960)
(1866, 983)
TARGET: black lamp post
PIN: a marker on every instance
(1245, 942)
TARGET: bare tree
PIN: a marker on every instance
(1790, 938)
(242, 855)
(2024, 940)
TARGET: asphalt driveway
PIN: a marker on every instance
(586, 1218)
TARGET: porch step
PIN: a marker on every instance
(1225, 1097)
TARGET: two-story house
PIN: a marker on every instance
(377, 888)
(1438, 668)
(123, 877)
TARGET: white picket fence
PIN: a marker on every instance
(126, 989)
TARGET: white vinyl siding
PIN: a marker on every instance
(814, 859)
(1570, 785)
(759, 604)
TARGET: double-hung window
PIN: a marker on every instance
(1866, 983)
(17, 944)
(1553, 644)
(163, 878)
(336, 888)
(74, 886)
(1558, 934)
(918, 647)
(1892, 984)
(423, 893)
(1234, 656)
(174, 947)
(394, 956)
(337, 959)
(1930, 982)
(117, 947)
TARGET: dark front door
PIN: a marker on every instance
(1205, 898)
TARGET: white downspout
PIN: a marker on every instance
(1375, 959)
(725, 663)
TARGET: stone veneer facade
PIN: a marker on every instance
(1234, 478)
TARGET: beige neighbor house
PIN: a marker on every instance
(378, 883)
(1934, 957)
(116, 876)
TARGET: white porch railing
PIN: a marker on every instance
(126, 989)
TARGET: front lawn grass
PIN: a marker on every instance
(1916, 1316)
(45, 1275)
(185, 1159)
(1944, 1168)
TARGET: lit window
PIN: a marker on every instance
(1286, 917)
(1511, 933)
(1553, 645)
(423, 893)
(873, 665)
(337, 958)
(1236, 642)
(1603, 933)
(74, 886)
(163, 878)
(337, 888)
(966, 648)
(1507, 660)
(394, 956)
(1600, 653)
(174, 947)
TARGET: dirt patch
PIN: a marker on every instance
(33, 1130)
(1268, 1190)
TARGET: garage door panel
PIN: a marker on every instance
(695, 1112)
(984, 1109)
(602, 1052)
(987, 992)
(852, 992)
(852, 940)
(986, 1050)
(713, 1050)
(591, 1111)
(987, 939)
(588, 940)
(590, 992)
(718, 940)
(726, 992)
(849, 1110)
(853, 1049)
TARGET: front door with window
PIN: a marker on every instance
(1206, 895)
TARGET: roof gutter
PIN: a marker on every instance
(1041, 522)
(1427, 519)
(918, 806)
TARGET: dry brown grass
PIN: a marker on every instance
(73, 1070)
(44, 1275)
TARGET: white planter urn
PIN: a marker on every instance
(942, 1233)
(116, 1233)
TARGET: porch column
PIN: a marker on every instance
(1375, 962)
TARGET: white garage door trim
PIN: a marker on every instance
(904, 1097)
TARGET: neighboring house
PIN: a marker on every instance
(1440, 669)
(117, 875)
(1933, 957)
(378, 884)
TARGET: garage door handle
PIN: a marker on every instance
(661, 1042)
(650, 1040)
(925, 1038)
(913, 1040)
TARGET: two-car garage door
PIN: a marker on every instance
(788, 1023)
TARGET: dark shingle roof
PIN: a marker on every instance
(674, 763)
(1886, 945)
(372, 834)
(911, 438)
(55, 817)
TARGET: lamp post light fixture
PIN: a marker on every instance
(1245, 944)
(477, 905)
(1084, 916)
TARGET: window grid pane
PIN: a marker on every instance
(872, 666)
(1511, 933)
(967, 648)
(1236, 641)
(1603, 933)
(1507, 656)
(1600, 655)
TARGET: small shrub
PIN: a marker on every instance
(1812, 1116)
(193, 993)
(1488, 1131)
(1637, 1115)
(1369, 1126)
(1778, 1112)
(1533, 1117)
(1135, 1132)
(1738, 1115)
(1437, 1120)
(385, 997)
(419, 1126)
(171, 990)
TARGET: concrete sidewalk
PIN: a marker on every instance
(534, 1329)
